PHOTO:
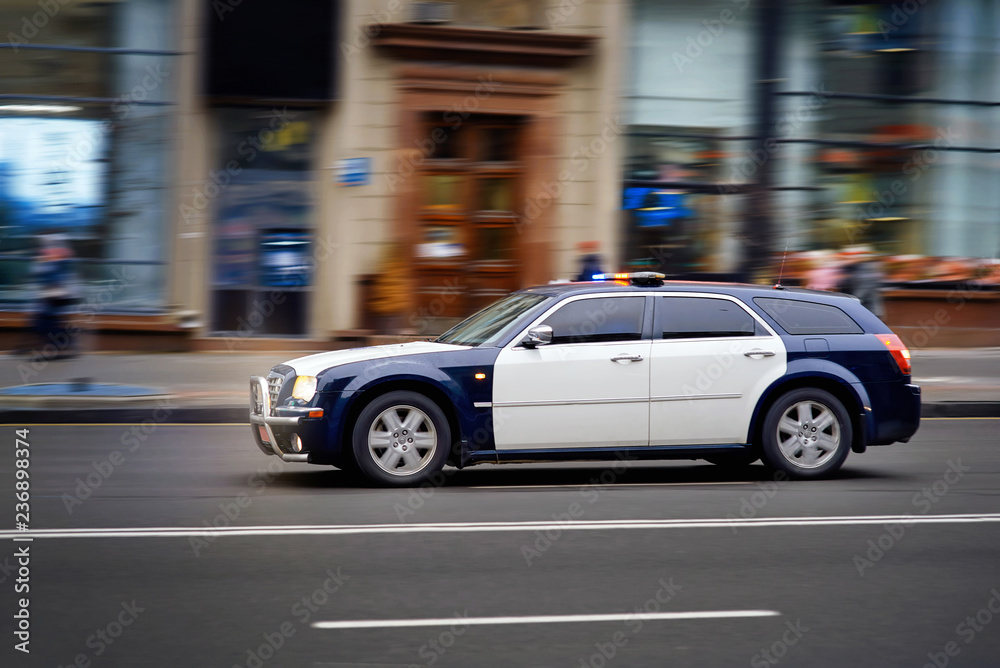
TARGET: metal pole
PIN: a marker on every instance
(758, 224)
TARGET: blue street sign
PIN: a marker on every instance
(353, 171)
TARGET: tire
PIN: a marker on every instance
(401, 439)
(807, 434)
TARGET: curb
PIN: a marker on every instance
(966, 409)
(10, 415)
(130, 415)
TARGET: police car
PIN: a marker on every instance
(625, 365)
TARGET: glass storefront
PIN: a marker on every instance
(885, 132)
(262, 261)
(85, 125)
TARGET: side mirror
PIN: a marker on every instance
(538, 335)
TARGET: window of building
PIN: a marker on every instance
(263, 229)
(604, 319)
(701, 317)
(85, 128)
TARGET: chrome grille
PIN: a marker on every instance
(274, 388)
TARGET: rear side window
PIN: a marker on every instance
(701, 317)
(797, 317)
(595, 320)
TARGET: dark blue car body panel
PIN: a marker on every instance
(450, 374)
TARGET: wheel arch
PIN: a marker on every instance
(845, 392)
(385, 386)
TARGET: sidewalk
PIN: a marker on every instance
(213, 387)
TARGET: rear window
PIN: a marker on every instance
(798, 317)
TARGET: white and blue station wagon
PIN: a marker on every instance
(589, 371)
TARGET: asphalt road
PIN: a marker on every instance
(300, 545)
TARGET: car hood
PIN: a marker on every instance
(312, 365)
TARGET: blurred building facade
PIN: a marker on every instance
(865, 123)
(233, 172)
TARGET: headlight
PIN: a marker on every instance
(304, 388)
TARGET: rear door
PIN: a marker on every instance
(711, 359)
(588, 388)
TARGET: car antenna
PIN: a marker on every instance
(781, 269)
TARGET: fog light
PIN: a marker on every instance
(296, 443)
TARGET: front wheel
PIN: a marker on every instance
(401, 439)
(807, 434)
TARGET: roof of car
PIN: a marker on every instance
(743, 290)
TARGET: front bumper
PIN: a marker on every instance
(276, 434)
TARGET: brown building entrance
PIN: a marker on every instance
(477, 166)
(467, 252)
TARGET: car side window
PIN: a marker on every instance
(702, 317)
(801, 317)
(596, 320)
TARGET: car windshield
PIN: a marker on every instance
(492, 322)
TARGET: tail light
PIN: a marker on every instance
(899, 351)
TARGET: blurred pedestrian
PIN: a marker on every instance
(862, 277)
(823, 271)
(590, 261)
(53, 273)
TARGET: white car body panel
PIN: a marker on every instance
(571, 396)
(703, 391)
(311, 365)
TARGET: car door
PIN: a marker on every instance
(711, 360)
(588, 388)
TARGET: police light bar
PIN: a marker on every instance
(635, 277)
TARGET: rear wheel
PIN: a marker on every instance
(401, 439)
(807, 434)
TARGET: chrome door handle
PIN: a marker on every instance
(762, 353)
(627, 358)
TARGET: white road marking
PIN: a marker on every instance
(497, 527)
(540, 619)
(621, 485)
